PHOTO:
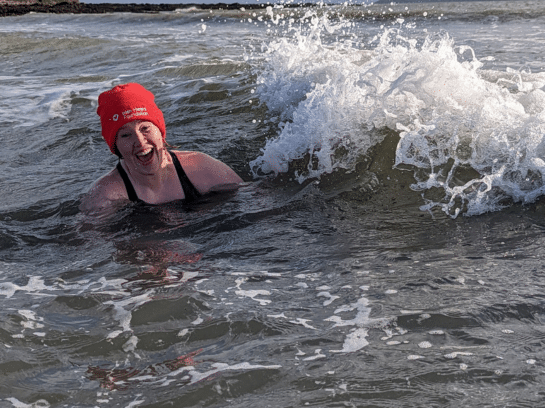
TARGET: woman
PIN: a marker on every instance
(134, 129)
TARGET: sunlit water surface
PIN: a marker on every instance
(386, 249)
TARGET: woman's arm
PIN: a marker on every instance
(106, 192)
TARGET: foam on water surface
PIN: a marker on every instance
(355, 340)
(328, 96)
(35, 286)
(122, 298)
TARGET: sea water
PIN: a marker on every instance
(385, 249)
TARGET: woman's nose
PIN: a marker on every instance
(139, 137)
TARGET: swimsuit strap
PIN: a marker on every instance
(190, 192)
(128, 185)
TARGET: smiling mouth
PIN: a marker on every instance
(145, 155)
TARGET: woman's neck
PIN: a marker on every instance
(153, 178)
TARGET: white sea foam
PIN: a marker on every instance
(278, 316)
(253, 293)
(191, 374)
(449, 112)
(122, 309)
(197, 321)
(361, 318)
(41, 403)
(35, 286)
(355, 340)
(34, 103)
(219, 367)
(328, 295)
(317, 355)
(303, 322)
(457, 353)
(130, 345)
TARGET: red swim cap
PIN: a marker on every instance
(126, 103)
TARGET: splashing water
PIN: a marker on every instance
(475, 134)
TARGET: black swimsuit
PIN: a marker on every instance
(190, 192)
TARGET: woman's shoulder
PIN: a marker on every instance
(190, 155)
(205, 172)
(104, 191)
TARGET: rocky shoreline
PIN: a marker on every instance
(81, 8)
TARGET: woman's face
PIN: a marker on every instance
(141, 146)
